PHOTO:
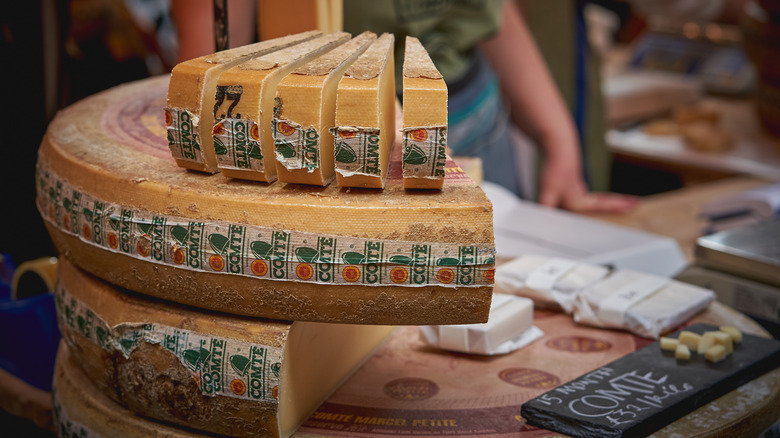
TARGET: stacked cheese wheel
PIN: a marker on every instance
(231, 306)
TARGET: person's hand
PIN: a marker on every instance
(562, 186)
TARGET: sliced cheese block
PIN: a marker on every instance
(116, 204)
(191, 97)
(208, 371)
(365, 117)
(425, 119)
(307, 101)
(243, 137)
(80, 410)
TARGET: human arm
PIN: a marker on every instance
(538, 109)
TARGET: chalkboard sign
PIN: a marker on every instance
(647, 389)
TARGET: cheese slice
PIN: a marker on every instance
(208, 371)
(79, 409)
(243, 136)
(307, 100)
(191, 98)
(115, 202)
(424, 120)
(365, 117)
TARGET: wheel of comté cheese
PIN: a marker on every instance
(224, 374)
(117, 205)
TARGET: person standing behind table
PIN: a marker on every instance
(496, 79)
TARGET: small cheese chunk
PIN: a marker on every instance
(690, 339)
(424, 120)
(191, 97)
(706, 342)
(682, 352)
(243, 136)
(716, 353)
(365, 117)
(307, 101)
(735, 333)
(724, 339)
(668, 344)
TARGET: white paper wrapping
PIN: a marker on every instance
(548, 281)
(509, 327)
(644, 304)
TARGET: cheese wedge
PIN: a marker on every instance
(115, 203)
(191, 97)
(424, 120)
(307, 101)
(79, 409)
(243, 137)
(208, 371)
(365, 117)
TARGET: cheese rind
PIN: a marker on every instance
(243, 130)
(307, 102)
(103, 188)
(424, 120)
(79, 409)
(191, 98)
(212, 372)
(365, 117)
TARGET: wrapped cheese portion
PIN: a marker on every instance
(647, 305)
(243, 113)
(80, 410)
(191, 97)
(509, 327)
(424, 120)
(115, 202)
(212, 372)
(306, 102)
(365, 117)
(549, 281)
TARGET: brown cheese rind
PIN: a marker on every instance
(331, 60)
(417, 62)
(291, 54)
(370, 63)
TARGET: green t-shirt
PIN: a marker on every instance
(449, 29)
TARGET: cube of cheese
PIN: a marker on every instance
(668, 344)
(243, 137)
(735, 333)
(424, 120)
(234, 376)
(706, 342)
(365, 117)
(716, 353)
(689, 338)
(191, 98)
(724, 339)
(307, 102)
(682, 352)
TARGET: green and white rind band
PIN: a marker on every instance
(259, 252)
(424, 152)
(237, 145)
(221, 366)
(183, 138)
(296, 147)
